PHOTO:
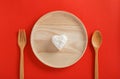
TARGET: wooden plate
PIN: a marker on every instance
(54, 23)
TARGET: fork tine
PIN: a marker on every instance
(24, 34)
(19, 35)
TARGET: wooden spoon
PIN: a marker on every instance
(96, 42)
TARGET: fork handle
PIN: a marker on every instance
(21, 64)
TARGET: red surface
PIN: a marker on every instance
(103, 15)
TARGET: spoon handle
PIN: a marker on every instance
(96, 64)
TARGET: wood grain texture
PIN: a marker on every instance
(56, 23)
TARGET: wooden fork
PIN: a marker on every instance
(22, 43)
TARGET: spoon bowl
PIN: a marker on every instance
(96, 39)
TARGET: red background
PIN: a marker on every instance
(103, 15)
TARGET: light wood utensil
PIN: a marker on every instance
(96, 42)
(21, 43)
